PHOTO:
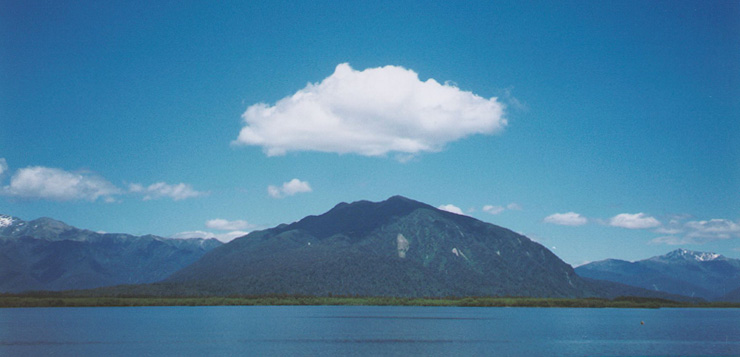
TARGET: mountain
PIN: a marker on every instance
(45, 254)
(732, 296)
(398, 247)
(698, 274)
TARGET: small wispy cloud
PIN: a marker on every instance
(672, 240)
(668, 230)
(634, 221)
(235, 229)
(452, 209)
(713, 229)
(513, 102)
(494, 209)
(176, 192)
(223, 237)
(514, 207)
(226, 225)
(697, 232)
(289, 188)
(566, 219)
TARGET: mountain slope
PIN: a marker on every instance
(732, 296)
(45, 254)
(698, 274)
(397, 247)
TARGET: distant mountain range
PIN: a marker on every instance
(697, 274)
(397, 247)
(45, 254)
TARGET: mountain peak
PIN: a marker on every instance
(356, 218)
(50, 222)
(685, 254)
(47, 228)
(6, 221)
(399, 198)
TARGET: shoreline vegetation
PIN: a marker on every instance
(60, 300)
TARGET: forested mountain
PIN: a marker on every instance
(398, 247)
(45, 254)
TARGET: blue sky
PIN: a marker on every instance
(599, 129)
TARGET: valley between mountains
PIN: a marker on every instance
(395, 248)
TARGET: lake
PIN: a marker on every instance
(367, 330)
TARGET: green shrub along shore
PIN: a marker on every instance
(54, 300)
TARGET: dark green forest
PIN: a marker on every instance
(64, 300)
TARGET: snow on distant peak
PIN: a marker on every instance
(5, 221)
(698, 256)
(703, 257)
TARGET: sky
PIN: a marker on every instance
(605, 129)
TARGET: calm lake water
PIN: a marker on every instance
(367, 330)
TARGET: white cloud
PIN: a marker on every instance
(513, 102)
(668, 230)
(224, 225)
(672, 240)
(566, 219)
(177, 192)
(514, 207)
(60, 185)
(56, 184)
(289, 188)
(229, 236)
(3, 166)
(634, 221)
(493, 209)
(192, 235)
(274, 191)
(452, 209)
(713, 229)
(235, 229)
(224, 237)
(498, 209)
(697, 232)
(370, 112)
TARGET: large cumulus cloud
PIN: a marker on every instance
(371, 112)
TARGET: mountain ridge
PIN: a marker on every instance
(685, 254)
(707, 275)
(47, 254)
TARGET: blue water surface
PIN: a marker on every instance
(367, 330)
